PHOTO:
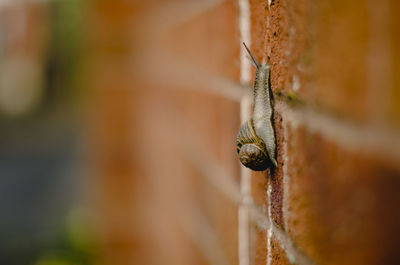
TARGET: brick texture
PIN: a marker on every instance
(157, 142)
(166, 87)
(334, 202)
(165, 111)
(341, 204)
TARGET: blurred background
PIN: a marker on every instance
(90, 168)
(42, 183)
(118, 122)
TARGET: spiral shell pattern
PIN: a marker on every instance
(251, 148)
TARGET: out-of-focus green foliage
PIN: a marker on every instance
(75, 245)
(65, 49)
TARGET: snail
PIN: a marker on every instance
(256, 138)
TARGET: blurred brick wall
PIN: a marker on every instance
(169, 82)
(161, 135)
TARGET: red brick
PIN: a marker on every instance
(195, 40)
(355, 60)
(342, 205)
(320, 53)
(287, 44)
(340, 54)
(278, 255)
(275, 175)
(277, 44)
(259, 182)
(394, 96)
(258, 248)
(258, 28)
(308, 43)
(142, 165)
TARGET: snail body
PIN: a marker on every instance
(256, 138)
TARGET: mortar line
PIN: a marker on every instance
(267, 54)
(172, 15)
(204, 237)
(270, 221)
(245, 104)
(181, 74)
(293, 253)
(220, 179)
(353, 137)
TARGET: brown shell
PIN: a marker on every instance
(251, 148)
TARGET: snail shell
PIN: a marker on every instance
(251, 148)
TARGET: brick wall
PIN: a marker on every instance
(169, 86)
(166, 85)
(161, 133)
(333, 199)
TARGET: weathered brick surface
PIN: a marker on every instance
(276, 175)
(258, 27)
(308, 43)
(278, 255)
(342, 205)
(288, 46)
(339, 56)
(277, 43)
